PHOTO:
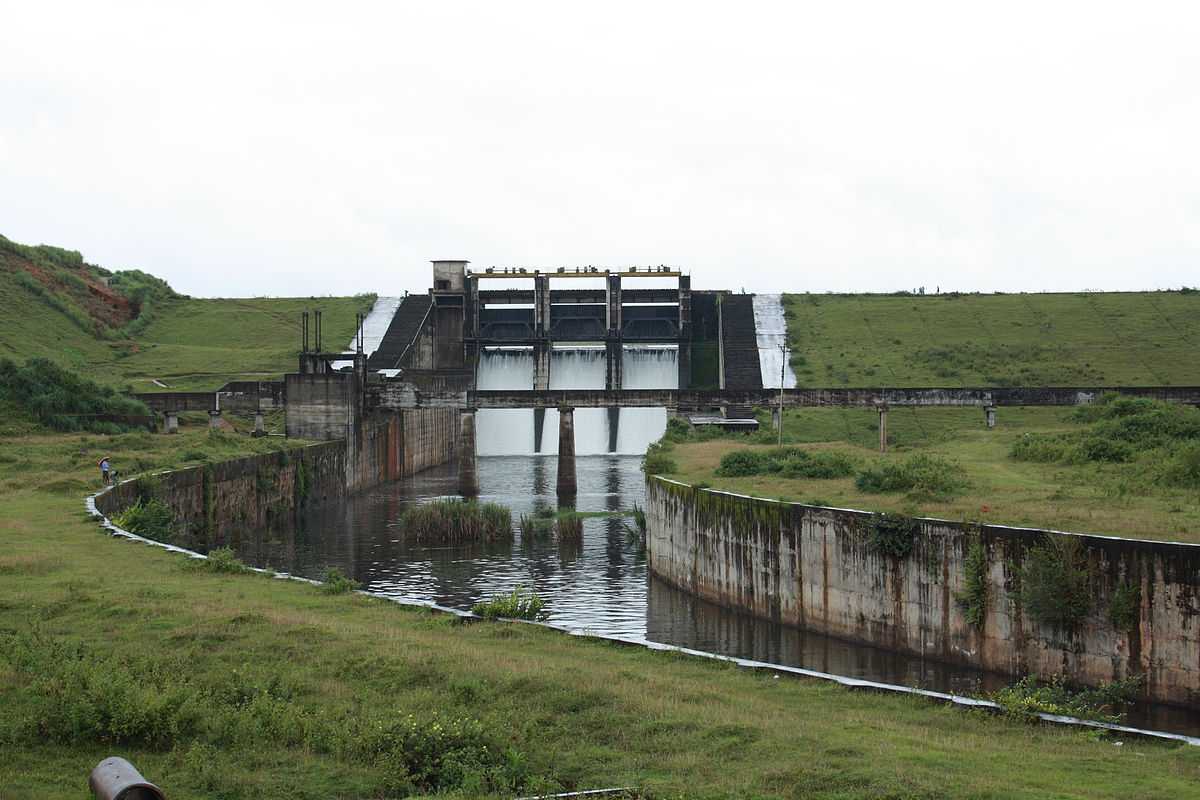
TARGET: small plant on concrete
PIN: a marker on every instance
(892, 535)
(221, 561)
(518, 604)
(973, 598)
(1054, 583)
(150, 517)
(1031, 696)
(1124, 608)
(334, 581)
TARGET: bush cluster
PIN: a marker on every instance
(787, 462)
(1031, 696)
(1119, 430)
(62, 400)
(921, 476)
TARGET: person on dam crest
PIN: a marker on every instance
(104, 470)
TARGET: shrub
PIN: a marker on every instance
(1183, 467)
(973, 598)
(1125, 606)
(518, 604)
(892, 535)
(1054, 582)
(455, 520)
(334, 581)
(658, 461)
(1031, 696)
(1099, 448)
(1041, 448)
(221, 561)
(741, 463)
(920, 475)
(819, 464)
(149, 517)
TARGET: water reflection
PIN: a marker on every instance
(598, 583)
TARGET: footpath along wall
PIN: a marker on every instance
(903, 584)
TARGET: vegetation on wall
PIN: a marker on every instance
(892, 535)
(973, 598)
(1054, 582)
(151, 518)
(1125, 606)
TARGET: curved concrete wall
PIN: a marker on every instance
(813, 567)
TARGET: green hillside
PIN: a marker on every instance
(129, 328)
(1126, 338)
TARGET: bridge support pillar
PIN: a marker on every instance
(883, 409)
(613, 363)
(567, 488)
(170, 422)
(214, 419)
(775, 418)
(541, 366)
(990, 415)
(260, 426)
(468, 473)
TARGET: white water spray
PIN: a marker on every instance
(771, 328)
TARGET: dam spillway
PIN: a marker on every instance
(506, 432)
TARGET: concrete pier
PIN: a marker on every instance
(614, 428)
(214, 419)
(883, 409)
(468, 472)
(260, 426)
(990, 416)
(567, 488)
(171, 422)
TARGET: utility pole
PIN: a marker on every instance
(782, 373)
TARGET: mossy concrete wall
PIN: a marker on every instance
(814, 567)
(214, 504)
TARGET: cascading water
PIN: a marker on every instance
(375, 325)
(578, 368)
(648, 367)
(511, 431)
(771, 328)
(504, 431)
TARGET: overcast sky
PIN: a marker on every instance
(250, 149)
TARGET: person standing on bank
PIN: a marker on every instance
(104, 469)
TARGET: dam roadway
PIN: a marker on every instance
(399, 395)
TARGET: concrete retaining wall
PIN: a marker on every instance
(215, 503)
(813, 567)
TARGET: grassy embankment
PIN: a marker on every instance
(1133, 498)
(1094, 338)
(54, 305)
(262, 688)
(1128, 339)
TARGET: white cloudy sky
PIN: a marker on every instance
(247, 149)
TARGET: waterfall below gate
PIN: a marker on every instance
(512, 431)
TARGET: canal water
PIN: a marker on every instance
(600, 584)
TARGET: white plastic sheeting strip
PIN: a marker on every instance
(853, 683)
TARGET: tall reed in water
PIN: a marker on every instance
(453, 521)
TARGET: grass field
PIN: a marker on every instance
(1107, 498)
(262, 688)
(190, 344)
(1109, 339)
